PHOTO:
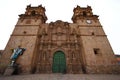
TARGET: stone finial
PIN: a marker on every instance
(29, 6)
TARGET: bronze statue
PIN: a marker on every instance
(16, 53)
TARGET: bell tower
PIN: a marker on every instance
(36, 13)
(94, 43)
(84, 16)
(25, 35)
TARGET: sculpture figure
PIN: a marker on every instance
(16, 53)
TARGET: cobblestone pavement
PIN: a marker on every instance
(62, 77)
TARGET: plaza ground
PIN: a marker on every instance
(62, 77)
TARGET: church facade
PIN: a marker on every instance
(60, 47)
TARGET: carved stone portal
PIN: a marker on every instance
(59, 38)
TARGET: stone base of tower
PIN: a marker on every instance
(103, 69)
(2, 68)
(5, 69)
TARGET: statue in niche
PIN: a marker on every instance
(16, 53)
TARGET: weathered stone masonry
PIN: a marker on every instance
(55, 47)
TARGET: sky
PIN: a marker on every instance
(107, 10)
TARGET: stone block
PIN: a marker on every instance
(9, 71)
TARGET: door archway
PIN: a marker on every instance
(59, 62)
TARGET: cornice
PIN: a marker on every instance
(27, 25)
(90, 26)
(24, 35)
(93, 35)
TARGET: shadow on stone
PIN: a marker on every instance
(12, 70)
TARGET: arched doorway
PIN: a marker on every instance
(59, 62)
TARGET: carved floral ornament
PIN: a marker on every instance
(59, 23)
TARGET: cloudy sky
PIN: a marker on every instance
(108, 11)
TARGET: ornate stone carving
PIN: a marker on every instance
(81, 14)
(34, 12)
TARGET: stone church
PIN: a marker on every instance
(60, 47)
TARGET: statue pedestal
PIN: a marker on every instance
(9, 71)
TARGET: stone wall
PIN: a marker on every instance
(103, 69)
